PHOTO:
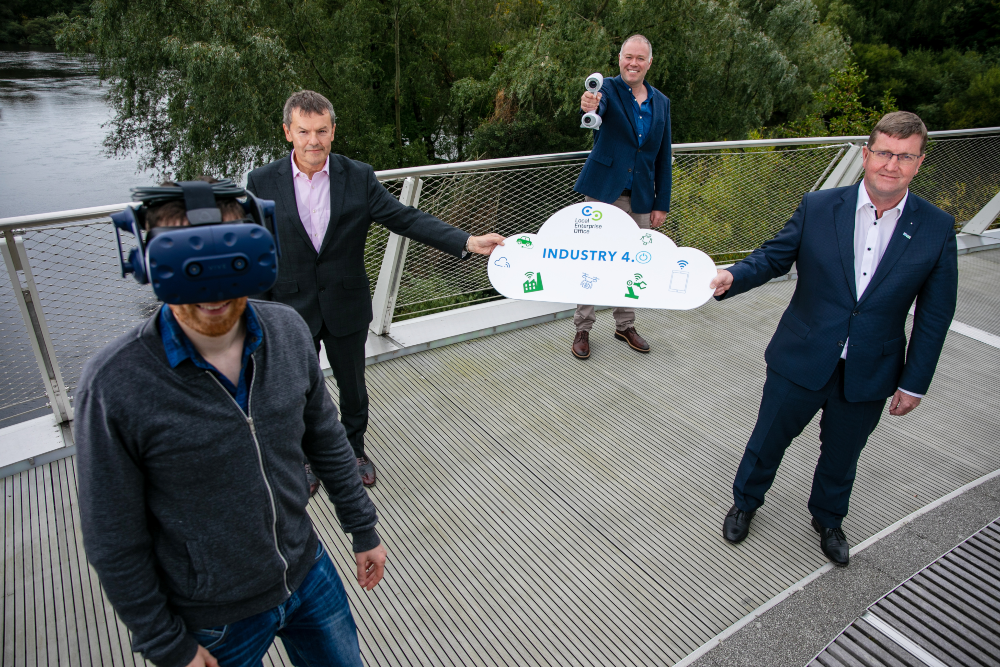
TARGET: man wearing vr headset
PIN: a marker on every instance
(191, 430)
(325, 204)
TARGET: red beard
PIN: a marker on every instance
(211, 323)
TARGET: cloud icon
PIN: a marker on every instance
(595, 253)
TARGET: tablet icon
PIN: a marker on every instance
(679, 281)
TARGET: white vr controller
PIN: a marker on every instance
(590, 120)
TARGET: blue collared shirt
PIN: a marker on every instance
(178, 348)
(643, 117)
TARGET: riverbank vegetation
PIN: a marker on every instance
(197, 86)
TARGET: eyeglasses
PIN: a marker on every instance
(886, 156)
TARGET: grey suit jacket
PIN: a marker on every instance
(331, 286)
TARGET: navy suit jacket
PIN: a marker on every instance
(920, 262)
(617, 151)
(331, 286)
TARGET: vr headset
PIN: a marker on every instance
(210, 260)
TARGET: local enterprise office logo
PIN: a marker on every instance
(589, 220)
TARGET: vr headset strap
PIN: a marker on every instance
(199, 200)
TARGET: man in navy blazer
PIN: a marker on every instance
(628, 167)
(864, 253)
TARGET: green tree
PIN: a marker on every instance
(198, 86)
(839, 110)
(35, 23)
(726, 67)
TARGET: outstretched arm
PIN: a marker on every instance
(423, 227)
(771, 260)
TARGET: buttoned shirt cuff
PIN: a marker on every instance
(911, 393)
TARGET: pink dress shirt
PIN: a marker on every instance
(312, 199)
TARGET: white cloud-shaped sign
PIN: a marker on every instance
(594, 253)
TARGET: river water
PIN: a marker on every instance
(52, 112)
(52, 108)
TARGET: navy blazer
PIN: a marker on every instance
(617, 152)
(920, 262)
(331, 286)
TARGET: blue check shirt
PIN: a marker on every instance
(179, 348)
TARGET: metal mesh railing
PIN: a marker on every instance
(85, 300)
(505, 201)
(960, 175)
(725, 204)
(727, 199)
(21, 387)
(728, 203)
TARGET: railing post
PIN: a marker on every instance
(389, 275)
(847, 171)
(30, 304)
(982, 220)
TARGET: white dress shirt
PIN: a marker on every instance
(871, 238)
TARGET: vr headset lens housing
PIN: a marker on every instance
(209, 260)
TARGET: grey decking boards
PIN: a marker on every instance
(541, 510)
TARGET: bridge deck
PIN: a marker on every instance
(542, 510)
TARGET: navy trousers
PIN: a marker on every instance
(785, 409)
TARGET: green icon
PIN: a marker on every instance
(646, 239)
(524, 242)
(597, 215)
(533, 283)
(639, 283)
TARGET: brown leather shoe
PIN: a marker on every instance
(634, 340)
(367, 470)
(581, 345)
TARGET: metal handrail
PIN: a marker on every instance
(75, 215)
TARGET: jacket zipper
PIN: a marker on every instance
(260, 462)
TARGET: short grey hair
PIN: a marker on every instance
(307, 102)
(900, 125)
(641, 38)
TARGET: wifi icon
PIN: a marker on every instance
(682, 263)
(529, 275)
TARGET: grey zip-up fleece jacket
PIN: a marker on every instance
(193, 513)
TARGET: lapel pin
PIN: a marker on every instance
(906, 235)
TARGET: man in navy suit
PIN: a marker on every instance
(629, 166)
(863, 253)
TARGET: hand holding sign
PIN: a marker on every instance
(595, 253)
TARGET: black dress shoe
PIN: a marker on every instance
(737, 525)
(367, 470)
(834, 544)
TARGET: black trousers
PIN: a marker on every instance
(346, 355)
(785, 409)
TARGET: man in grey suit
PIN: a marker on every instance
(325, 204)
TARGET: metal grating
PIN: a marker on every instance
(948, 614)
(539, 510)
